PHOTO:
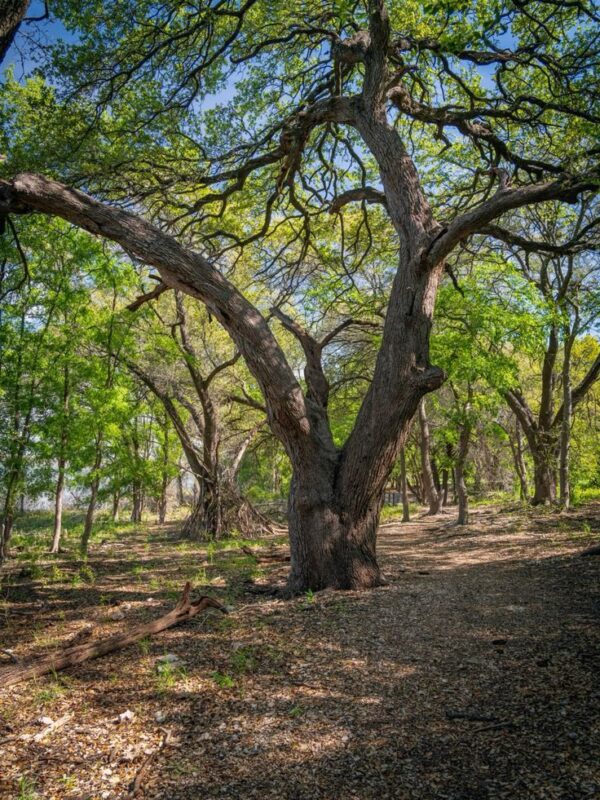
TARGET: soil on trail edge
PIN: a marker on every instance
(473, 675)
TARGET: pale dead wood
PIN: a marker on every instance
(184, 610)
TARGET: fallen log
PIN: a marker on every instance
(184, 610)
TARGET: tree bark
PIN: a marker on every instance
(567, 413)
(544, 470)
(404, 487)
(115, 505)
(432, 496)
(520, 465)
(12, 13)
(330, 545)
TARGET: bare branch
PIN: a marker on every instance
(145, 298)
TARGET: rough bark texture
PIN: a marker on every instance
(404, 487)
(565, 429)
(12, 13)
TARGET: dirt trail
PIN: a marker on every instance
(473, 675)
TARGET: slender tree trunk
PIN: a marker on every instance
(162, 504)
(520, 462)
(8, 516)
(565, 430)
(162, 500)
(136, 502)
(61, 466)
(180, 497)
(461, 460)
(91, 509)
(404, 487)
(445, 478)
(432, 496)
(115, 505)
(436, 477)
(58, 505)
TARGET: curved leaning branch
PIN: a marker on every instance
(179, 268)
(476, 219)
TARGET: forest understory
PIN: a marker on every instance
(472, 675)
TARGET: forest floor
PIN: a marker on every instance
(473, 675)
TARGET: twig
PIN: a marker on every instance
(136, 783)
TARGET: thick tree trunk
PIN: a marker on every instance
(432, 496)
(544, 474)
(11, 16)
(205, 519)
(404, 487)
(330, 547)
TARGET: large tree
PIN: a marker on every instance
(325, 97)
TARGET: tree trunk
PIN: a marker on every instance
(404, 487)
(11, 16)
(162, 502)
(205, 519)
(58, 506)
(432, 496)
(520, 463)
(136, 502)
(329, 546)
(115, 505)
(445, 480)
(62, 463)
(91, 509)
(567, 414)
(461, 487)
(8, 516)
(180, 497)
(544, 471)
